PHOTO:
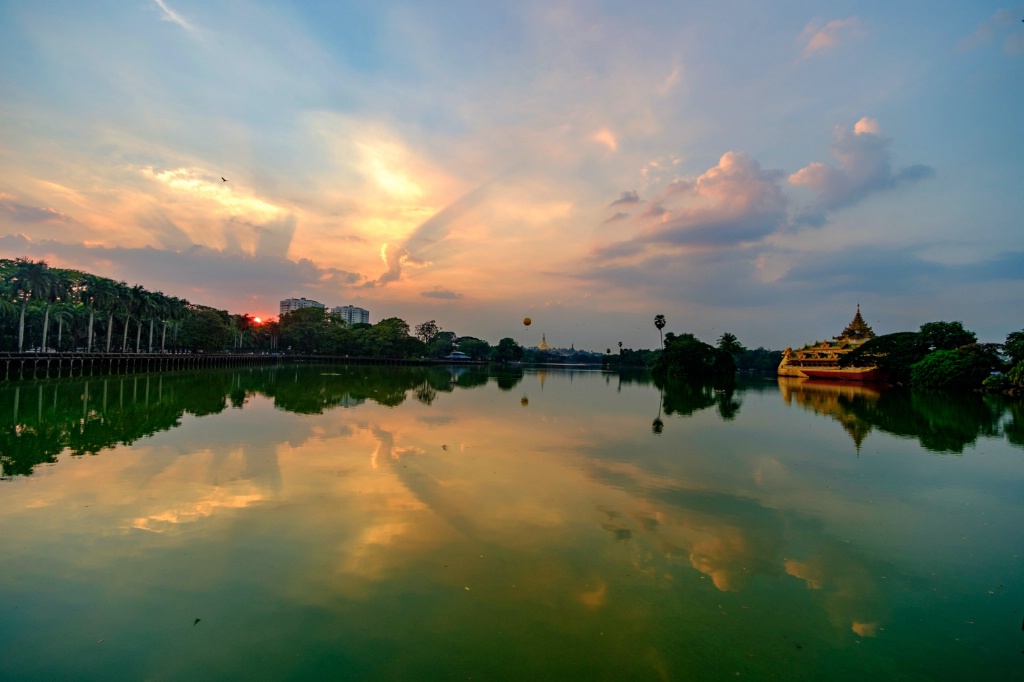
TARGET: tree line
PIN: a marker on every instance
(48, 309)
(44, 308)
(939, 355)
(687, 357)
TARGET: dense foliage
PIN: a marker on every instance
(58, 309)
(966, 367)
(760, 360)
(942, 355)
(687, 357)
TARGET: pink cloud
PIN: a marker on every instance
(817, 38)
(864, 166)
(733, 202)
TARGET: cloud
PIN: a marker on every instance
(883, 271)
(615, 218)
(864, 167)
(200, 274)
(166, 231)
(1005, 22)
(607, 138)
(817, 38)
(223, 198)
(736, 201)
(438, 292)
(626, 198)
(435, 229)
(22, 213)
(168, 14)
(713, 236)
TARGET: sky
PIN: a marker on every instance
(756, 168)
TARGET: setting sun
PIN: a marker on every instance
(256, 320)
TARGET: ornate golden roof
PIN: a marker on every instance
(858, 329)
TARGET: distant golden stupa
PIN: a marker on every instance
(543, 343)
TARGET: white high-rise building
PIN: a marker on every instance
(290, 304)
(352, 314)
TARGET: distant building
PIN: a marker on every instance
(352, 314)
(292, 304)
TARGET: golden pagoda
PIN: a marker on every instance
(543, 343)
(820, 360)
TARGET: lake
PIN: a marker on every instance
(367, 523)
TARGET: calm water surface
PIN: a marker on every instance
(368, 524)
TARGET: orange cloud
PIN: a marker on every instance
(607, 138)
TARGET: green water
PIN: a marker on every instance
(359, 523)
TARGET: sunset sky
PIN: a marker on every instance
(744, 167)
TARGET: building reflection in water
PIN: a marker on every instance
(832, 399)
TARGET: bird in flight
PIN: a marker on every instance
(224, 179)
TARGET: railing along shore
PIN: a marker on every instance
(15, 366)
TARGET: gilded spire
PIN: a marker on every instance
(858, 329)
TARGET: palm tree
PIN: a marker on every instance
(62, 312)
(178, 307)
(79, 325)
(59, 287)
(153, 306)
(164, 310)
(118, 303)
(142, 306)
(7, 306)
(28, 278)
(242, 324)
(131, 299)
(659, 322)
(730, 344)
(272, 328)
(97, 292)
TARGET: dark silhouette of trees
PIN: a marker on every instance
(508, 350)
(946, 335)
(427, 331)
(686, 356)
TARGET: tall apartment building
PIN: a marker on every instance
(290, 304)
(352, 314)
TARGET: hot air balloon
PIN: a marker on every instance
(527, 321)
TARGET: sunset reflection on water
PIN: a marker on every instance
(435, 524)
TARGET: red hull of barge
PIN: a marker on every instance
(872, 375)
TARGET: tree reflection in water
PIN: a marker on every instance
(85, 416)
(684, 398)
(941, 421)
(40, 420)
